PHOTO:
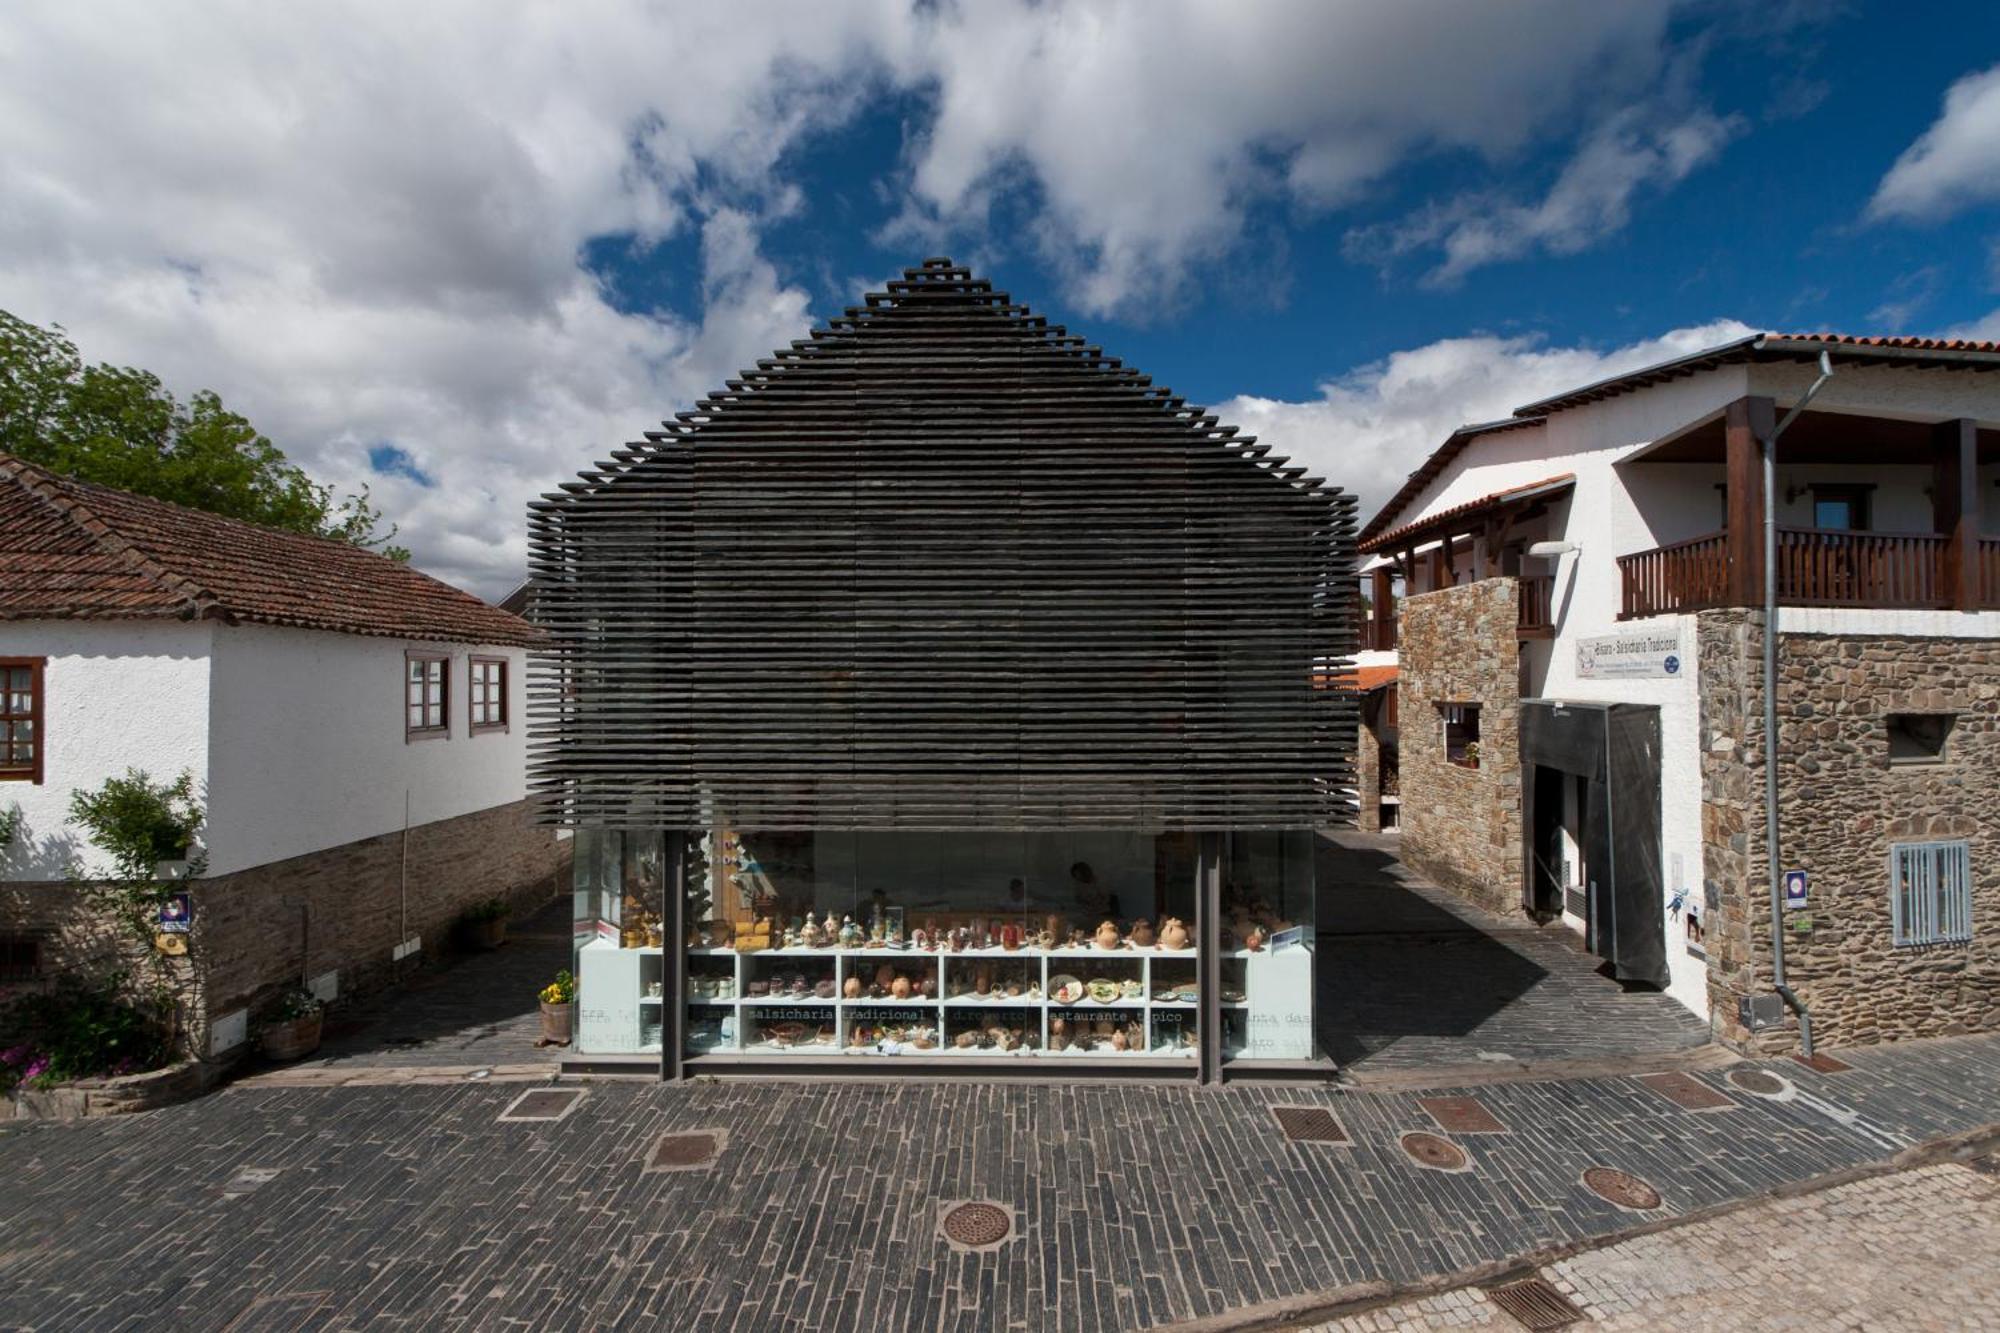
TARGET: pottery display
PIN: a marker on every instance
(1107, 936)
(1174, 934)
(1142, 934)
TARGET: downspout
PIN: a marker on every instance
(1771, 858)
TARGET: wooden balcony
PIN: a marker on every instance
(1535, 618)
(1815, 567)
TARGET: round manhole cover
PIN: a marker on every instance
(1436, 1152)
(976, 1225)
(1622, 1188)
(1758, 1081)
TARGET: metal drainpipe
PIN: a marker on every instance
(1771, 858)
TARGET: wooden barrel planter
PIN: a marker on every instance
(489, 934)
(292, 1040)
(556, 1023)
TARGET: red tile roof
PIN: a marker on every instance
(1432, 525)
(1851, 348)
(70, 550)
(1369, 678)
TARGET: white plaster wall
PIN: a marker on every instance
(117, 695)
(308, 750)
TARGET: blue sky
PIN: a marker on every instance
(455, 254)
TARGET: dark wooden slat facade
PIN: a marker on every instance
(943, 565)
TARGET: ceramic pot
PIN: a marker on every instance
(900, 988)
(1142, 934)
(292, 1040)
(1173, 933)
(1107, 935)
(851, 988)
(557, 1021)
(489, 934)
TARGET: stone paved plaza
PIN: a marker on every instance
(1915, 1250)
(1136, 1205)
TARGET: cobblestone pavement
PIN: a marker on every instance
(1411, 977)
(1915, 1250)
(1136, 1205)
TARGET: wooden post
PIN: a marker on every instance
(1383, 594)
(1955, 511)
(1747, 423)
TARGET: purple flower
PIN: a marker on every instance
(36, 1068)
(14, 1055)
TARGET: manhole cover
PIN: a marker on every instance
(687, 1151)
(248, 1178)
(1436, 1152)
(1690, 1094)
(1759, 1081)
(1823, 1063)
(1622, 1188)
(975, 1224)
(1536, 1303)
(1461, 1115)
(543, 1104)
(1309, 1124)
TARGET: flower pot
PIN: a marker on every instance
(556, 1020)
(291, 1040)
(489, 934)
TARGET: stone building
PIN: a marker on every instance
(352, 728)
(1573, 596)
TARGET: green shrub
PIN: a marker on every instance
(491, 909)
(138, 822)
(78, 1031)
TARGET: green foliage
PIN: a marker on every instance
(560, 991)
(490, 909)
(137, 822)
(10, 824)
(79, 1030)
(119, 426)
(288, 1006)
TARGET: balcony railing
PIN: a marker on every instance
(1685, 576)
(1989, 575)
(1816, 567)
(1535, 617)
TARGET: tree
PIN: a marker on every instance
(118, 426)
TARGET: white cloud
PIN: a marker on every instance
(1370, 428)
(1590, 200)
(362, 224)
(1954, 164)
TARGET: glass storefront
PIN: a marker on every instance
(951, 945)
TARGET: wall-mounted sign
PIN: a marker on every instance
(176, 913)
(1795, 890)
(1638, 654)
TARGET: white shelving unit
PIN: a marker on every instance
(940, 1011)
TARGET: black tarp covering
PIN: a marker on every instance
(1615, 749)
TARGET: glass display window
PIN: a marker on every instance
(1267, 946)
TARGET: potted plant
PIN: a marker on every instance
(558, 1010)
(289, 1026)
(486, 923)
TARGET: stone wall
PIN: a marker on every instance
(1368, 779)
(340, 910)
(1462, 826)
(1841, 805)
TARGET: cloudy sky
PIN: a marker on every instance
(458, 251)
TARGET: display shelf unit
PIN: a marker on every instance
(1038, 966)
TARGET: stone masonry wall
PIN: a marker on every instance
(1462, 826)
(1841, 805)
(338, 910)
(1368, 779)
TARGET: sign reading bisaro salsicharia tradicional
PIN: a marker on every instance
(1652, 654)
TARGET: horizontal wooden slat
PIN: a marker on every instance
(943, 565)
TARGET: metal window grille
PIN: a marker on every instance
(1930, 892)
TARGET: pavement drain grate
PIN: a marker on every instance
(248, 1178)
(1758, 1081)
(1536, 1303)
(975, 1224)
(1461, 1115)
(1622, 1188)
(1435, 1152)
(543, 1104)
(1690, 1094)
(1309, 1124)
(689, 1151)
(1822, 1063)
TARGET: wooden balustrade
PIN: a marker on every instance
(1685, 576)
(1989, 575)
(1535, 618)
(1815, 567)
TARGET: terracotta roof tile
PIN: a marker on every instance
(1547, 486)
(70, 550)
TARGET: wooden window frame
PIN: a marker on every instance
(21, 957)
(37, 712)
(1857, 495)
(472, 723)
(443, 730)
(1469, 712)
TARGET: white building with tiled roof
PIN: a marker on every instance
(353, 728)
